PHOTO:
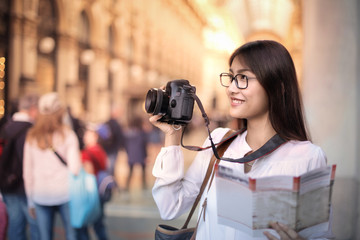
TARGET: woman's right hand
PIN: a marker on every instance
(166, 128)
(172, 132)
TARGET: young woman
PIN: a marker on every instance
(264, 96)
(45, 176)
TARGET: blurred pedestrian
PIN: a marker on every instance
(136, 148)
(77, 125)
(12, 184)
(94, 160)
(112, 138)
(46, 178)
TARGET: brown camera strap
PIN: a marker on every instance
(221, 149)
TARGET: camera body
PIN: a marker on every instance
(175, 103)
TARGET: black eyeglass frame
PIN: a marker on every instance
(235, 78)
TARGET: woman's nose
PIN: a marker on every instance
(232, 87)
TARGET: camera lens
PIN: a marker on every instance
(150, 101)
(156, 102)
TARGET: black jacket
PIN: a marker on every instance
(18, 129)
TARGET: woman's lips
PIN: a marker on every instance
(236, 101)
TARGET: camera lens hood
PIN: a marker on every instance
(150, 101)
(154, 101)
(159, 101)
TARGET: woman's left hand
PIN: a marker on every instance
(284, 231)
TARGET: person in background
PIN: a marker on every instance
(77, 125)
(136, 148)
(94, 160)
(112, 138)
(46, 178)
(264, 97)
(14, 196)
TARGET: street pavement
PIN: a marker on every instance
(135, 216)
(130, 215)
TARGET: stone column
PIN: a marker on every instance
(13, 66)
(331, 98)
(22, 64)
(67, 74)
(98, 94)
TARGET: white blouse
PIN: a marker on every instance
(46, 179)
(174, 192)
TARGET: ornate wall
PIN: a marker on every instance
(331, 96)
(103, 52)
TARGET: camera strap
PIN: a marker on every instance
(271, 145)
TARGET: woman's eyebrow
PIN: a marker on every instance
(240, 70)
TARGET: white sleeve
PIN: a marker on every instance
(28, 174)
(318, 159)
(174, 192)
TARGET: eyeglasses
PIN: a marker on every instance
(241, 80)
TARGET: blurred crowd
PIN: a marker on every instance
(41, 142)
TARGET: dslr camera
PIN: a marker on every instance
(175, 103)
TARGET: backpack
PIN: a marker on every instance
(10, 171)
(105, 182)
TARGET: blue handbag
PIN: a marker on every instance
(84, 199)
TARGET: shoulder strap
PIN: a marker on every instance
(271, 145)
(275, 142)
(221, 149)
(58, 155)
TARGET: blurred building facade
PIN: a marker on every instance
(103, 52)
(98, 53)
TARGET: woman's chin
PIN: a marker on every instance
(235, 114)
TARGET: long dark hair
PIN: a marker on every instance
(275, 70)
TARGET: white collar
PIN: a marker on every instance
(21, 117)
(239, 147)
